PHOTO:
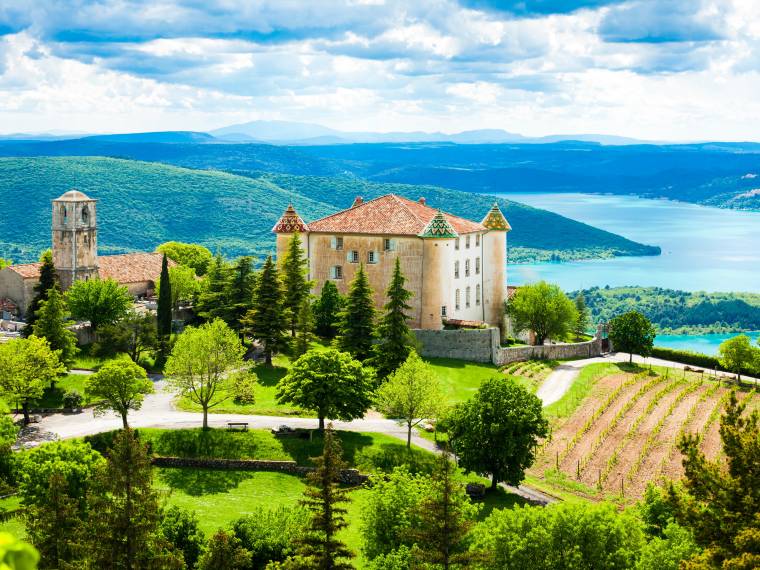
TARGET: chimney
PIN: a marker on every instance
(422, 200)
(357, 202)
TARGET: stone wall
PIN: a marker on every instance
(588, 349)
(477, 345)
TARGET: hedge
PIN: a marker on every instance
(693, 358)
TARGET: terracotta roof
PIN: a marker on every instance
(290, 222)
(389, 214)
(73, 195)
(27, 270)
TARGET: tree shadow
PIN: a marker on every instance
(302, 450)
(197, 443)
(269, 375)
(198, 481)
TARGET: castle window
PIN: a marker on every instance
(85, 215)
(456, 243)
(477, 294)
(336, 272)
(443, 310)
(467, 241)
(64, 215)
(466, 267)
(477, 240)
(336, 242)
(353, 256)
(389, 244)
(467, 297)
(477, 266)
(372, 257)
(456, 270)
(456, 299)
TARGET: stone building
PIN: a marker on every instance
(75, 256)
(456, 268)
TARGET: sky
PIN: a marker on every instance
(652, 69)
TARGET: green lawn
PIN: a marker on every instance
(53, 396)
(459, 378)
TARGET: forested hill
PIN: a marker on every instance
(678, 311)
(142, 204)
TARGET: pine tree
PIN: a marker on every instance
(212, 301)
(265, 322)
(124, 512)
(356, 322)
(326, 310)
(305, 333)
(582, 321)
(51, 325)
(396, 340)
(48, 278)
(294, 269)
(241, 288)
(446, 518)
(164, 312)
(320, 547)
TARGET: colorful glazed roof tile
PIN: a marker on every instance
(495, 220)
(438, 227)
(389, 215)
(290, 222)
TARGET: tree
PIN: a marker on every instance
(48, 278)
(446, 518)
(100, 301)
(720, 499)
(328, 382)
(265, 322)
(582, 319)
(632, 332)
(50, 324)
(356, 320)
(212, 302)
(120, 386)
(396, 341)
(5, 262)
(304, 330)
(543, 309)
(497, 430)
(27, 367)
(165, 302)
(180, 528)
(411, 394)
(295, 267)
(187, 254)
(225, 552)
(124, 512)
(16, 554)
(269, 535)
(242, 286)
(8, 434)
(320, 546)
(737, 354)
(326, 310)
(134, 334)
(201, 362)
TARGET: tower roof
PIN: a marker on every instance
(438, 227)
(74, 195)
(290, 222)
(495, 220)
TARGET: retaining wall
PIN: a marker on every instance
(547, 352)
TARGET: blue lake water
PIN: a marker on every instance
(703, 249)
(704, 343)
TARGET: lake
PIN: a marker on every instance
(703, 249)
(704, 343)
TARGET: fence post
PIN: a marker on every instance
(578, 470)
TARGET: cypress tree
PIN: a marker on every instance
(582, 320)
(356, 322)
(48, 278)
(326, 310)
(51, 325)
(294, 270)
(164, 316)
(305, 334)
(212, 301)
(265, 322)
(240, 292)
(396, 340)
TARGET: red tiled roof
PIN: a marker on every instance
(27, 270)
(389, 214)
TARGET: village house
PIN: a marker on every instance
(455, 268)
(75, 256)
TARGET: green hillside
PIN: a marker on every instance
(142, 204)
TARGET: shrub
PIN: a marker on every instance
(72, 399)
(269, 535)
(102, 442)
(692, 358)
(180, 528)
(244, 388)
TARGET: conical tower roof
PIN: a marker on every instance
(439, 227)
(495, 220)
(290, 222)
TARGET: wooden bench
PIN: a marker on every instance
(237, 426)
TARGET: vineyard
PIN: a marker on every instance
(624, 433)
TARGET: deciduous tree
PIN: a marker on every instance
(48, 278)
(632, 332)
(496, 432)
(100, 301)
(266, 321)
(295, 267)
(180, 527)
(134, 334)
(225, 552)
(119, 386)
(326, 310)
(543, 309)
(51, 325)
(188, 254)
(395, 339)
(737, 354)
(201, 362)
(356, 321)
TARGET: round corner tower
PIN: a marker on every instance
(495, 260)
(438, 238)
(75, 237)
(286, 227)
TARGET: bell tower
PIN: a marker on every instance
(75, 237)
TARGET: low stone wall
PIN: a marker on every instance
(588, 349)
(477, 345)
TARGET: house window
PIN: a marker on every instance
(467, 297)
(456, 243)
(336, 242)
(456, 300)
(466, 267)
(336, 272)
(477, 240)
(443, 310)
(456, 270)
(477, 294)
(353, 256)
(477, 266)
(389, 244)
(467, 241)
(372, 257)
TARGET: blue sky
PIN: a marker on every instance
(654, 69)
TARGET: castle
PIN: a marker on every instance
(455, 268)
(75, 256)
